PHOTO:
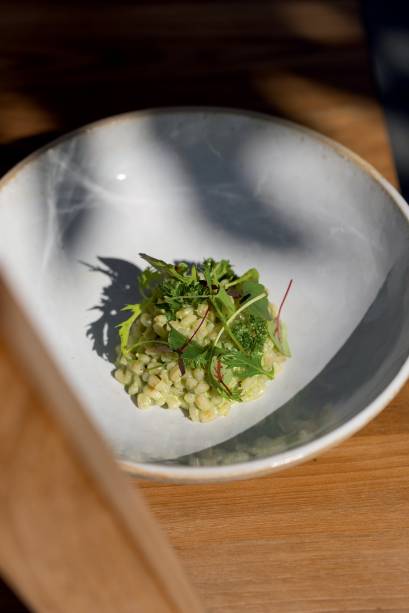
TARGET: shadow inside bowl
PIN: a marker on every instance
(359, 371)
(122, 289)
(353, 377)
(219, 184)
(224, 196)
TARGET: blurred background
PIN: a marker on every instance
(66, 64)
(339, 66)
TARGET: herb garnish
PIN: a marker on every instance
(240, 305)
(277, 328)
(219, 376)
(125, 326)
(184, 347)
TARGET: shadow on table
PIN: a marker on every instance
(124, 57)
(387, 24)
(9, 601)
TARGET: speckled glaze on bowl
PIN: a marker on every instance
(191, 183)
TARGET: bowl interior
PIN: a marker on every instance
(193, 184)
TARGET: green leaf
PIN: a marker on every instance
(193, 273)
(124, 328)
(225, 302)
(259, 308)
(251, 331)
(225, 328)
(207, 272)
(280, 342)
(249, 275)
(148, 280)
(200, 357)
(214, 272)
(222, 270)
(176, 340)
(244, 365)
(182, 268)
(176, 294)
(168, 288)
(162, 266)
(239, 311)
(227, 391)
(194, 355)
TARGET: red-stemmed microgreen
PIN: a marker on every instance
(181, 365)
(189, 340)
(219, 376)
(236, 356)
(277, 327)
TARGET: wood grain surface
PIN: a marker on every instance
(331, 535)
(75, 537)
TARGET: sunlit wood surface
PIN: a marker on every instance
(331, 535)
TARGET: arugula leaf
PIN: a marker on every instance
(249, 275)
(176, 340)
(225, 302)
(214, 272)
(124, 328)
(245, 365)
(280, 342)
(259, 308)
(222, 270)
(162, 266)
(197, 358)
(193, 354)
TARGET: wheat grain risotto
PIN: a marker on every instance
(201, 339)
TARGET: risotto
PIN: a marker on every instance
(202, 339)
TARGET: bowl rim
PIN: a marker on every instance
(292, 457)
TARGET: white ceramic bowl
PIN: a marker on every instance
(186, 184)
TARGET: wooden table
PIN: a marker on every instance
(333, 534)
